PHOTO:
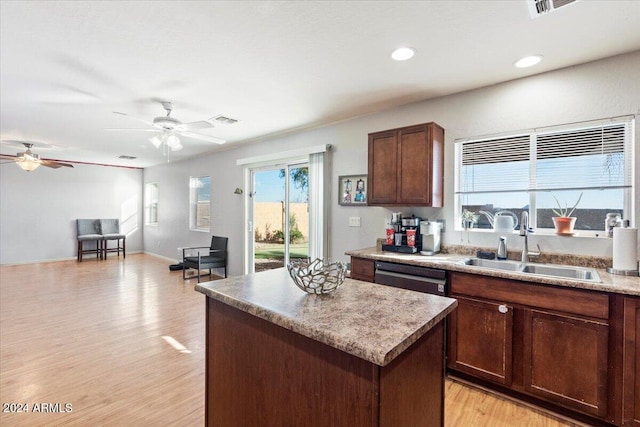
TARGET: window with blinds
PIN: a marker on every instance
(525, 171)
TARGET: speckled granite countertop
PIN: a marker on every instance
(372, 322)
(610, 283)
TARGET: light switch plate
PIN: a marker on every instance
(354, 221)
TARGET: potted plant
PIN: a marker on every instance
(564, 222)
(469, 219)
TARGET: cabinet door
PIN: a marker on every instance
(383, 164)
(480, 339)
(362, 269)
(414, 166)
(565, 360)
(631, 363)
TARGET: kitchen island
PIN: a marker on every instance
(364, 355)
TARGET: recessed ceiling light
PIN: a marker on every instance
(527, 61)
(403, 53)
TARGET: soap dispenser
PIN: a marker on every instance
(502, 248)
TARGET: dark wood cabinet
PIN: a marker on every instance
(631, 363)
(547, 342)
(261, 374)
(481, 339)
(363, 269)
(566, 360)
(406, 166)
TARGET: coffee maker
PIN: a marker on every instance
(406, 235)
(430, 232)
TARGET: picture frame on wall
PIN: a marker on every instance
(352, 190)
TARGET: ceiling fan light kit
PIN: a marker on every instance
(27, 165)
(29, 161)
(171, 128)
(167, 140)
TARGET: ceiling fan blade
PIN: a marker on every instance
(133, 129)
(202, 124)
(134, 118)
(203, 137)
(55, 165)
(4, 156)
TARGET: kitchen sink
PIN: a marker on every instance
(549, 270)
(497, 265)
(568, 272)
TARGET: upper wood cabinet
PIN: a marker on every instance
(406, 166)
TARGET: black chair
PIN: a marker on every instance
(217, 257)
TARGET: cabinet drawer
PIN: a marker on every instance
(362, 269)
(575, 301)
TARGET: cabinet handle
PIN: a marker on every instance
(503, 308)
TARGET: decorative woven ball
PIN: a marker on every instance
(317, 277)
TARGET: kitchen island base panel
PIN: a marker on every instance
(262, 374)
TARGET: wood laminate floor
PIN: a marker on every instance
(120, 342)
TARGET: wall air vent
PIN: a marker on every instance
(542, 7)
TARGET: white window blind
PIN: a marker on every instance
(593, 158)
(495, 165)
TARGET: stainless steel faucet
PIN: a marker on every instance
(524, 232)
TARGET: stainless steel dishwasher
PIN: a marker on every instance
(412, 277)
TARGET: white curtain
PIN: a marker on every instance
(318, 205)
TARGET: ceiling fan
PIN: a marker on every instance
(169, 128)
(28, 160)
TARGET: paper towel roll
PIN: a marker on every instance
(625, 248)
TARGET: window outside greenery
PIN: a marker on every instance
(200, 203)
(525, 171)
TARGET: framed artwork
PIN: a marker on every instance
(352, 190)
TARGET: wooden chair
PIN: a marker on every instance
(217, 257)
(89, 231)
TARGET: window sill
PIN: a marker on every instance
(546, 232)
(201, 230)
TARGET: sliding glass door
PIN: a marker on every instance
(279, 215)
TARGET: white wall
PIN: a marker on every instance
(591, 91)
(38, 209)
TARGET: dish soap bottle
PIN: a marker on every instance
(502, 248)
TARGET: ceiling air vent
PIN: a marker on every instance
(541, 7)
(124, 156)
(224, 120)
